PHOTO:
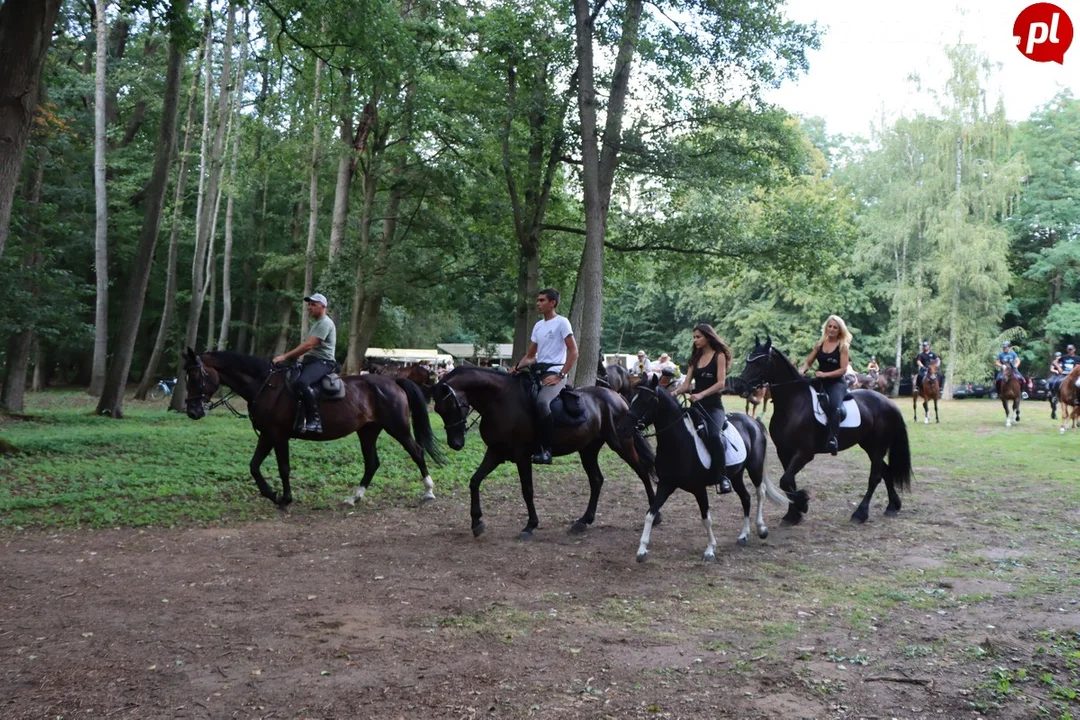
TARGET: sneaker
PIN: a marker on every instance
(542, 458)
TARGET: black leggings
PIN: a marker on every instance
(715, 427)
(835, 389)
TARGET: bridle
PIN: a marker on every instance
(463, 408)
(640, 421)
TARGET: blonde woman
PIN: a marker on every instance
(831, 353)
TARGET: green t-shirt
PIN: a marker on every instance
(324, 329)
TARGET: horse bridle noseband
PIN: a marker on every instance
(464, 415)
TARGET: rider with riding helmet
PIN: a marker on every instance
(707, 369)
(831, 353)
(318, 359)
(925, 360)
(1007, 356)
(553, 351)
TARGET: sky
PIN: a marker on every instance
(870, 47)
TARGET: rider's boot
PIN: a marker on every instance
(545, 432)
(313, 422)
(833, 444)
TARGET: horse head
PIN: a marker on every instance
(759, 364)
(642, 406)
(201, 383)
(453, 408)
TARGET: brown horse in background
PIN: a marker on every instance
(1069, 398)
(929, 390)
(760, 396)
(1010, 390)
(422, 376)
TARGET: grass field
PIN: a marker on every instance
(158, 468)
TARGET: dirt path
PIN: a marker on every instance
(398, 612)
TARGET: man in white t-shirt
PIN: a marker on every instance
(664, 363)
(554, 350)
(641, 367)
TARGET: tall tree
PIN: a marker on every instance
(208, 215)
(101, 205)
(25, 33)
(112, 398)
(149, 377)
(313, 194)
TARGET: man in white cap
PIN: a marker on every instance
(641, 367)
(318, 358)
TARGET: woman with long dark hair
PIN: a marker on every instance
(708, 371)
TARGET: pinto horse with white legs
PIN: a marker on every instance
(683, 462)
(506, 427)
(799, 431)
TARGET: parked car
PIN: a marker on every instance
(1037, 389)
(905, 386)
(966, 389)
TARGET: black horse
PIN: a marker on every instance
(798, 436)
(372, 403)
(681, 456)
(618, 379)
(506, 427)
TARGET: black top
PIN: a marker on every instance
(1068, 362)
(928, 359)
(704, 378)
(828, 361)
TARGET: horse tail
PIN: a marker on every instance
(900, 457)
(421, 421)
(645, 452)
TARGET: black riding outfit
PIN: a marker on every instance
(834, 388)
(712, 407)
(929, 359)
(1067, 363)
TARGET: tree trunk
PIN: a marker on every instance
(346, 164)
(313, 196)
(353, 360)
(112, 399)
(25, 33)
(598, 173)
(288, 302)
(954, 314)
(148, 378)
(22, 343)
(260, 239)
(101, 226)
(527, 289)
(226, 268)
(208, 214)
(38, 383)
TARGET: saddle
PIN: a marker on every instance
(568, 407)
(823, 399)
(328, 387)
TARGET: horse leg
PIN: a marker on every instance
(799, 503)
(489, 463)
(263, 449)
(701, 494)
(1008, 420)
(525, 473)
(877, 467)
(626, 450)
(663, 492)
(281, 452)
(936, 418)
(739, 486)
(1016, 407)
(596, 481)
(915, 407)
(398, 428)
(368, 435)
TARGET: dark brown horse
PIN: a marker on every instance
(424, 377)
(1009, 389)
(618, 379)
(372, 403)
(799, 432)
(930, 389)
(759, 396)
(506, 427)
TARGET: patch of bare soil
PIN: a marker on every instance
(393, 612)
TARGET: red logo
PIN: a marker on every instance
(1043, 32)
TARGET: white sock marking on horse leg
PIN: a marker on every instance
(643, 548)
(711, 547)
(358, 494)
(429, 485)
(745, 529)
(761, 529)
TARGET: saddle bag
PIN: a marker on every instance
(331, 387)
(568, 408)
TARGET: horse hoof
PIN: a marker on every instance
(642, 557)
(763, 533)
(656, 520)
(926, 421)
(741, 542)
(429, 496)
(578, 527)
(525, 536)
(349, 501)
(791, 519)
(708, 557)
(858, 517)
(891, 512)
(1061, 431)
(478, 529)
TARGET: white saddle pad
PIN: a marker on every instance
(736, 448)
(853, 419)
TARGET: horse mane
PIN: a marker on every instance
(251, 365)
(463, 369)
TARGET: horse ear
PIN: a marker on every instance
(768, 340)
(190, 354)
(654, 380)
(757, 342)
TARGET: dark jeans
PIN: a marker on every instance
(313, 371)
(713, 409)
